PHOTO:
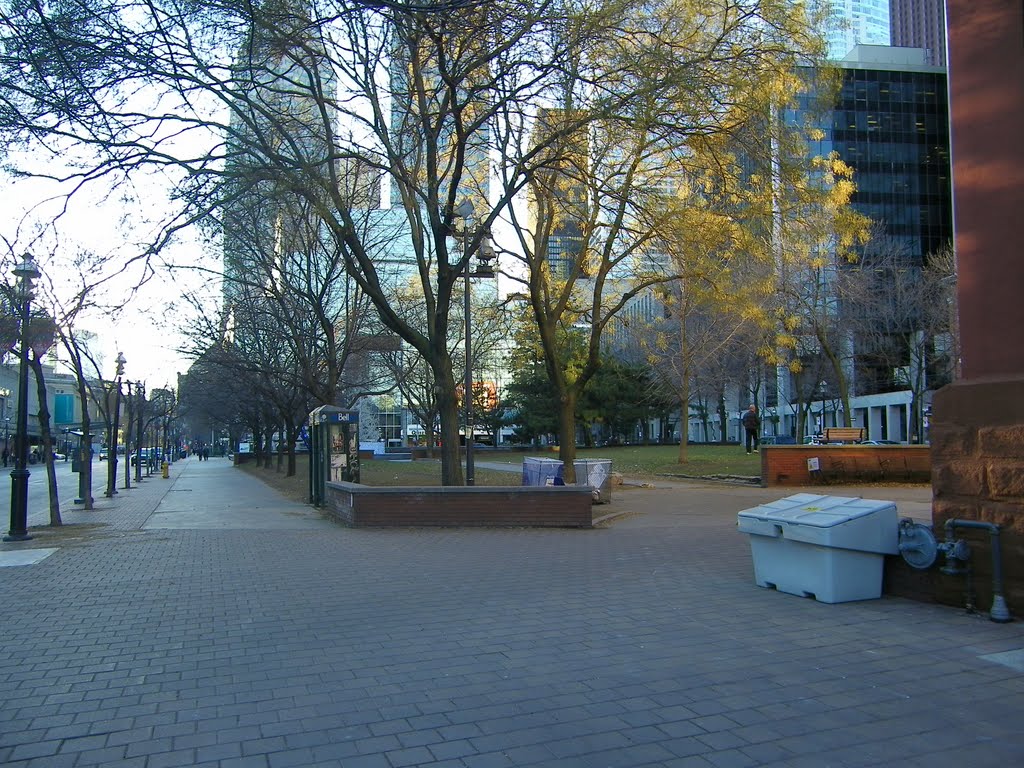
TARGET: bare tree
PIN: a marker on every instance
(420, 93)
(903, 315)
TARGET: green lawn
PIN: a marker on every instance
(654, 460)
(631, 461)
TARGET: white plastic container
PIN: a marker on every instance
(828, 547)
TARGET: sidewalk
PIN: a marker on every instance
(203, 620)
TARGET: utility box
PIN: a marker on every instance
(597, 473)
(540, 471)
(830, 548)
(334, 449)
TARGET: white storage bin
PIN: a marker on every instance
(828, 547)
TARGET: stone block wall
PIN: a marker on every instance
(978, 474)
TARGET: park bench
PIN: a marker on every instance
(844, 434)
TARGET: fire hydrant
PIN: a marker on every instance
(165, 470)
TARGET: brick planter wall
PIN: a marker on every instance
(785, 465)
(364, 506)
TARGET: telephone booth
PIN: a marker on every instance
(333, 449)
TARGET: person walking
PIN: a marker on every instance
(752, 428)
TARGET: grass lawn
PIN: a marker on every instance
(632, 461)
(654, 460)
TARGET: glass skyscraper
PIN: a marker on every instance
(890, 121)
(856, 22)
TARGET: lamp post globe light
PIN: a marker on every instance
(26, 272)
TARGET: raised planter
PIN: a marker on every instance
(457, 506)
(844, 464)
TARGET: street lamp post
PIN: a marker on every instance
(112, 441)
(822, 388)
(5, 395)
(140, 394)
(484, 269)
(26, 272)
(130, 408)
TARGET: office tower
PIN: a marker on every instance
(920, 24)
(856, 22)
(558, 198)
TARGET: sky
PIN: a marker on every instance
(150, 330)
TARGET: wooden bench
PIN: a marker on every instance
(844, 434)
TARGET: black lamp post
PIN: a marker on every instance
(140, 394)
(822, 388)
(112, 441)
(26, 272)
(130, 408)
(484, 269)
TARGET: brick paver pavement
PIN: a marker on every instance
(171, 632)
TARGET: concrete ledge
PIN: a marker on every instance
(844, 464)
(479, 506)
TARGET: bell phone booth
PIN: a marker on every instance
(334, 449)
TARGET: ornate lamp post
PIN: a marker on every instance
(112, 441)
(484, 269)
(823, 389)
(130, 408)
(140, 394)
(5, 395)
(26, 272)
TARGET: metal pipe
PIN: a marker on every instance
(999, 613)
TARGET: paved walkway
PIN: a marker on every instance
(204, 621)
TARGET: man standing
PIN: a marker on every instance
(752, 427)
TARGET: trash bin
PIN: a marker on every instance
(828, 547)
(539, 471)
(597, 473)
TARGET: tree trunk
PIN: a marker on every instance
(588, 436)
(448, 408)
(292, 433)
(567, 436)
(47, 439)
(129, 413)
(268, 449)
(684, 423)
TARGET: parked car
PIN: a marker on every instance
(103, 454)
(144, 453)
(880, 442)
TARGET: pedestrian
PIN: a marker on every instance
(206, 454)
(5, 457)
(752, 428)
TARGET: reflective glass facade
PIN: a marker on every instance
(892, 126)
(856, 22)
